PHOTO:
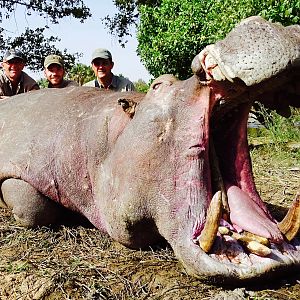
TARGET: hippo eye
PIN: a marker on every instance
(156, 85)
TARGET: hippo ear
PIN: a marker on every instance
(128, 106)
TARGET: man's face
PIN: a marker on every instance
(54, 74)
(102, 67)
(13, 68)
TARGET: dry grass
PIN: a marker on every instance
(81, 263)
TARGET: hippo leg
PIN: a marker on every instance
(30, 208)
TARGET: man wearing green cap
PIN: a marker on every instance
(102, 65)
(54, 72)
(13, 80)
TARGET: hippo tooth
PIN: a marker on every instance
(290, 225)
(258, 249)
(255, 244)
(254, 237)
(223, 230)
(247, 237)
(214, 212)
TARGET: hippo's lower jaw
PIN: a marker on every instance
(239, 239)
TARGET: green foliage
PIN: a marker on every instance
(171, 34)
(120, 24)
(36, 47)
(43, 83)
(280, 140)
(51, 9)
(81, 73)
(33, 42)
(282, 129)
(141, 86)
(17, 267)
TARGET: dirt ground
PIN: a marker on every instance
(80, 263)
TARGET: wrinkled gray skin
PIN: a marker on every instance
(138, 167)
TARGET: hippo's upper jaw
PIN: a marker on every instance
(238, 239)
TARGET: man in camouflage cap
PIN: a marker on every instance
(13, 80)
(102, 65)
(54, 71)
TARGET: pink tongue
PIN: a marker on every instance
(248, 215)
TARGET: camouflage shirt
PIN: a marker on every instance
(118, 84)
(25, 84)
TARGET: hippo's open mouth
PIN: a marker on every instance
(239, 235)
(238, 225)
(239, 232)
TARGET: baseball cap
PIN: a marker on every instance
(53, 59)
(12, 53)
(101, 53)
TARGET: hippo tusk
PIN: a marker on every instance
(290, 225)
(217, 179)
(214, 213)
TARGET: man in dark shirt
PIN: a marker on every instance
(54, 72)
(13, 80)
(102, 65)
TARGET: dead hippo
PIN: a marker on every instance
(170, 165)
